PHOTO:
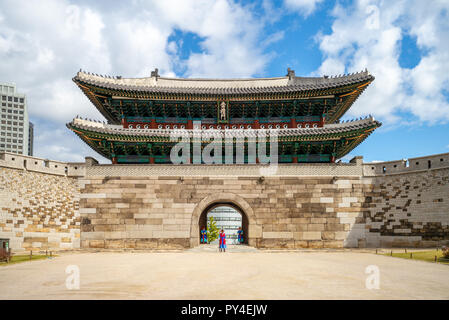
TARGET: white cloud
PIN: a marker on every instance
(369, 35)
(57, 143)
(43, 44)
(273, 38)
(305, 7)
(230, 46)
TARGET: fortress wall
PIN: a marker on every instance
(38, 210)
(158, 206)
(410, 209)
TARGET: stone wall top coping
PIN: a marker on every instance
(405, 159)
(408, 172)
(430, 156)
(22, 156)
(46, 166)
(249, 177)
(38, 171)
(384, 162)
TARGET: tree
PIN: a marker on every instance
(212, 230)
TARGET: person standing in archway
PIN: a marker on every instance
(240, 235)
(204, 235)
(222, 241)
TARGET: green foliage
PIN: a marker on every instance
(428, 256)
(212, 230)
(445, 251)
(23, 258)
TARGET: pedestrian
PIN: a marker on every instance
(222, 241)
(240, 235)
(204, 235)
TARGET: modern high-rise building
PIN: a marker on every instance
(14, 128)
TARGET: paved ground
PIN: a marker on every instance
(236, 274)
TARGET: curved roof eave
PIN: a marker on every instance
(222, 86)
(99, 128)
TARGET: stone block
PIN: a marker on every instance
(146, 244)
(87, 210)
(311, 236)
(96, 244)
(344, 205)
(277, 235)
(141, 215)
(255, 231)
(301, 244)
(114, 244)
(180, 243)
(114, 235)
(328, 235)
(171, 234)
(135, 234)
(347, 220)
(300, 227)
(121, 205)
(333, 244)
(341, 235)
(148, 227)
(175, 227)
(275, 243)
(334, 227)
(315, 227)
(315, 244)
(92, 195)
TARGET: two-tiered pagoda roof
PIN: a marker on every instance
(142, 112)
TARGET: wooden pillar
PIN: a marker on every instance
(295, 160)
(189, 124)
(153, 124)
(114, 160)
(292, 123)
(151, 160)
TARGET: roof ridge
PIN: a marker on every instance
(339, 76)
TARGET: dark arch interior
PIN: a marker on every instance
(202, 222)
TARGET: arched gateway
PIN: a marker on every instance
(199, 216)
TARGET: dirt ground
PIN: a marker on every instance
(207, 274)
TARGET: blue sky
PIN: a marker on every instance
(404, 44)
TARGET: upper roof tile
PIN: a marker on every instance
(156, 84)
